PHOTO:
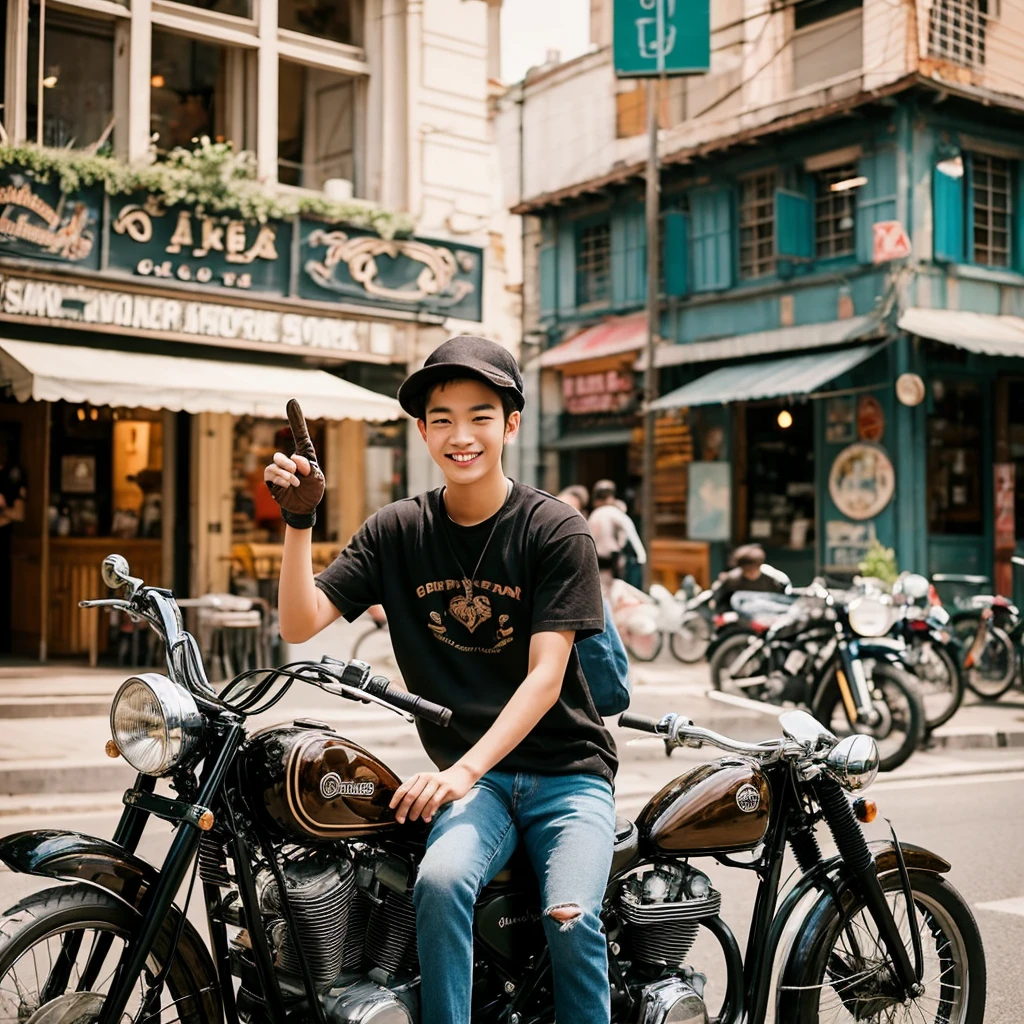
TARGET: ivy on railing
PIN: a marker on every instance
(212, 178)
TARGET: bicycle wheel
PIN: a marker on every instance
(991, 671)
(940, 682)
(843, 973)
(689, 643)
(642, 645)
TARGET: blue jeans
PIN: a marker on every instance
(567, 826)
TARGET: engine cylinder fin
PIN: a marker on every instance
(391, 935)
(212, 860)
(355, 936)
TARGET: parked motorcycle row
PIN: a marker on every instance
(306, 877)
(891, 663)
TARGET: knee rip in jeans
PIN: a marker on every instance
(566, 914)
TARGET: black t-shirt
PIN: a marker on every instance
(468, 649)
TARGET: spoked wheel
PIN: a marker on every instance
(642, 644)
(900, 727)
(992, 669)
(730, 665)
(689, 643)
(58, 953)
(940, 682)
(845, 975)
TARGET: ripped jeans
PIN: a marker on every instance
(567, 826)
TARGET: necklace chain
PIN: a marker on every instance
(467, 581)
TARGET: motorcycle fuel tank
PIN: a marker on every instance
(714, 808)
(306, 782)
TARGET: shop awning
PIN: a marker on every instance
(984, 333)
(179, 383)
(763, 343)
(746, 382)
(594, 439)
(612, 337)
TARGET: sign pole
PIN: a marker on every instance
(651, 211)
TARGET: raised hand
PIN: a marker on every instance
(297, 482)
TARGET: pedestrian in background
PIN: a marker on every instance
(750, 574)
(613, 530)
(577, 496)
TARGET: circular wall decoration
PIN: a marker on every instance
(862, 481)
(910, 389)
(870, 419)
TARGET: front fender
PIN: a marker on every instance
(881, 649)
(58, 853)
(802, 939)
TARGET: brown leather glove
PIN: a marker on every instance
(298, 503)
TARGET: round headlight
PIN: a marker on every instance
(869, 616)
(853, 762)
(915, 586)
(154, 722)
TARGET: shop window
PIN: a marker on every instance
(1015, 432)
(336, 20)
(197, 88)
(77, 78)
(593, 264)
(757, 224)
(316, 126)
(834, 213)
(237, 8)
(106, 474)
(955, 458)
(956, 31)
(780, 476)
(385, 464)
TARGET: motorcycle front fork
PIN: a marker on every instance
(854, 687)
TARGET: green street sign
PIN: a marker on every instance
(655, 37)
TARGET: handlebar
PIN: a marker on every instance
(681, 732)
(383, 688)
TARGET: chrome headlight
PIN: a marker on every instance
(853, 762)
(869, 616)
(915, 586)
(154, 722)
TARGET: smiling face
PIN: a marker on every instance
(465, 429)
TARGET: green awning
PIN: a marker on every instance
(746, 382)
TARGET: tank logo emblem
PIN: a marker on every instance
(331, 785)
(748, 799)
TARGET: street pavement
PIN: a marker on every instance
(963, 798)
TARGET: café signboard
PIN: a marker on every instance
(138, 237)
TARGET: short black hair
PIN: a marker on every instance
(419, 403)
(603, 490)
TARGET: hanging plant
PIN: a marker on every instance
(212, 178)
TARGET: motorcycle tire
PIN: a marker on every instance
(898, 687)
(727, 653)
(690, 642)
(43, 927)
(827, 961)
(996, 669)
(642, 646)
(942, 687)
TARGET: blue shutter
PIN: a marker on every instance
(629, 256)
(566, 268)
(548, 272)
(793, 229)
(711, 239)
(1017, 205)
(947, 217)
(876, 200)
(675, 252)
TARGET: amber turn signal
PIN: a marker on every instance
(111, 749)
(866, 810)
(205, 821)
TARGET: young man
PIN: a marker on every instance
(487, 585)
(750, 573)
(613, 530)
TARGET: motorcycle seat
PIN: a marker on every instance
(627, 844)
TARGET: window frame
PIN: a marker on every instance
(971, 209)
(603, 222)
(849, 198)
(759, 269)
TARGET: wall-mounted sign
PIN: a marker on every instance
(910, 389)
(870, 419)
(612, 391)
(71, 304)
(142, 238)
(862, 481)
(709, 504)
(839, 420)
(846, 544)
(1005, 524)
(153, 241)
(890, 241)
(653, 37)
(359, 267)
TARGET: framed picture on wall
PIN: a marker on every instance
(839, 420)
(709, 501)
(78, 474)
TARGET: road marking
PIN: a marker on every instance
(1014, 905)
(964, 780)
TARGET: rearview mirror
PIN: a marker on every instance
(116, 574)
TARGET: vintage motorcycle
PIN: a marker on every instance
(306, 878)
(830, 654)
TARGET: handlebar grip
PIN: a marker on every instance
(381, 687)
(630, 721)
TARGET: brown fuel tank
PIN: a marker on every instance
(305, 782)
(714, 808)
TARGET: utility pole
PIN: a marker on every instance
(651, 211)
